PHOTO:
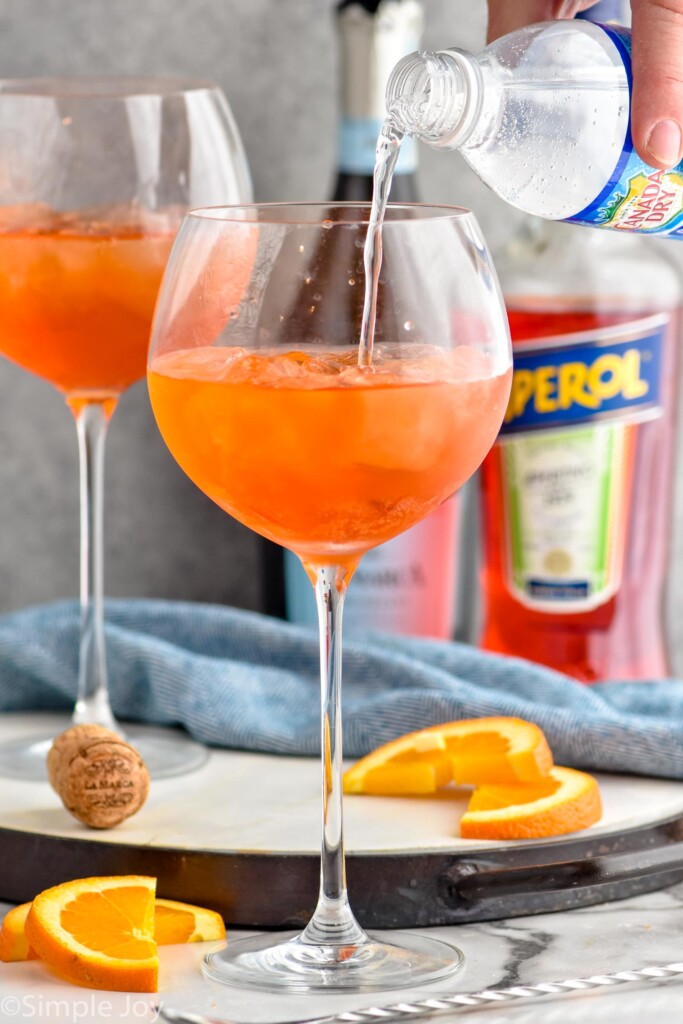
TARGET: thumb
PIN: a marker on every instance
(657, 112)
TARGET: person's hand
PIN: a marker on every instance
(657, 112)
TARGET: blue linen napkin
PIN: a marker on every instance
(241, 680)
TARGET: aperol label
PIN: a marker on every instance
(566, 497)
(614, 373)
(566, 456)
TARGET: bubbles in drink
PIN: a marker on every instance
(30, 217)
(392, 365)
(119, 220)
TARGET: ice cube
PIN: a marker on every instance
(205, 363)
(36, 218)
(310, 369)
(121, 220)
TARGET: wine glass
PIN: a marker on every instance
(256, 386)
(95, 177)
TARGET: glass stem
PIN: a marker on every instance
(92, 704)
(333, 922)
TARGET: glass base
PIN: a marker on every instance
(287, 963)
(166, 752)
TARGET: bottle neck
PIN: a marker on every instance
(370, 45)
(436, 97)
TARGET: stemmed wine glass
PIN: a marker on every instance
(96, 175)
(258, 390)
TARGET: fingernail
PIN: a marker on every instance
(664, 143)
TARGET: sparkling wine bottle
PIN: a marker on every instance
(373, 35)
(407, 585)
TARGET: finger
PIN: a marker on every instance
(507, 15)
(657, 111)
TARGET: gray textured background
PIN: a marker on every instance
(277, 63)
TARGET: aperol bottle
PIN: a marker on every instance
(577, 492)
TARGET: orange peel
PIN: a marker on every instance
(566, 801)
(13, 942)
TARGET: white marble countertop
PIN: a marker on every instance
(638, 932)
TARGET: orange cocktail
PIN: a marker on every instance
(77, 295)
(319, 455)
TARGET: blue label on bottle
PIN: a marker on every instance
(358, 143)
(613, 373)
(637, 197)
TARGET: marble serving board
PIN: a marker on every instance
(243, 834)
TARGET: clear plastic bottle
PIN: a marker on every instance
(542, 116)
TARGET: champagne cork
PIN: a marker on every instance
(100, 778)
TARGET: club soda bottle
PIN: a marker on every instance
(543, 117)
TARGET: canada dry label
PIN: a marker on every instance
(637, 197)
(566, 455)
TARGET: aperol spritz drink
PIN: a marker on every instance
(77, 294)
(330, 439)
(91, 196)
(409, 431)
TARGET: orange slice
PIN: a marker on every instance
(13, 942)
(469, 752)
(174, 922)
(182, 922)
(98, 932)
(564, 802)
